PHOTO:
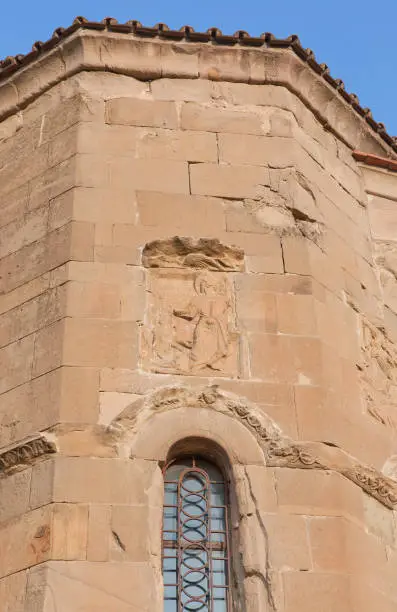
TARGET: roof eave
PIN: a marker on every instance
(149, 58)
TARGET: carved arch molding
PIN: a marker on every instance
(278, 450)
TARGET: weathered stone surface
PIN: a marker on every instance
(181, 252)
(193, 262)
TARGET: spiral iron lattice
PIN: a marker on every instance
(195, 539)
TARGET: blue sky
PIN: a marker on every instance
(356, 38)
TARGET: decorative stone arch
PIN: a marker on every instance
(246, 433)
(250, 442)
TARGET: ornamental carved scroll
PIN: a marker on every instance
(278, 450)
(190, 326)
(24, 454)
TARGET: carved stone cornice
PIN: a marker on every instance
(25, 453)
(278, 450)
(146, 58)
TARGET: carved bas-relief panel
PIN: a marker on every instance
(190, 324)
(378, 374)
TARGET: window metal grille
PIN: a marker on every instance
(196, 553)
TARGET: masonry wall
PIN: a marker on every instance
(97, 177)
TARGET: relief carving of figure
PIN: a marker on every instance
(195, 329)
(207, 310)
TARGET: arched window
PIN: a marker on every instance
(196, 553)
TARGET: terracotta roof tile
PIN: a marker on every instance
(376, 160)
(213, 35)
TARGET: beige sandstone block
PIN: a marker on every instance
(96, 272)
(112, 403)
(33, 532)
(116, 254)
(149, 175)
(74, 241)
(383, 217)
(99, 532)
(178, 145)
(51, 183)
(48, 346)
(24, 293)
(379, 521)
(99, 586)
(181, 89)
(180, 213)
(14, 494)
(93, 300)
(16, 363)
(284, 415)
(257, 150)
(126, 523)
(92, 170)
(81, 241)
(296, 315)
(257, 311)
(338, 545)
(103, 234)
(279, 283)
(106, 85)
(288, 541)
(225, 181)
(257, 95)
(103, 481)
(32, 315)
(212, 119)
(260, 264)
(364, 438)
(140, 112)
(63, 145)
(240, 219)
(79, 397)
(261, 392)
(365, 598)
(112, 139)
(99, 343)
(42, 482)
(23, 231)
(21, 169)
(286, 359)
(255, 489)
(12, 592)
(13, 204)
(67, 393)
(380, 182)
(304, 590)
(69, 531)
(131, 381)
(69, 112)
(314, 492)
(28, 407)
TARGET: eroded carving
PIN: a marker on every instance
(286, 454)
(185, 252)
(278, 450)
(191, 323)
(285, 201)
(25, 453)
(382, 488)
(378, 373)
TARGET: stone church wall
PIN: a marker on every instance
(197, 261)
